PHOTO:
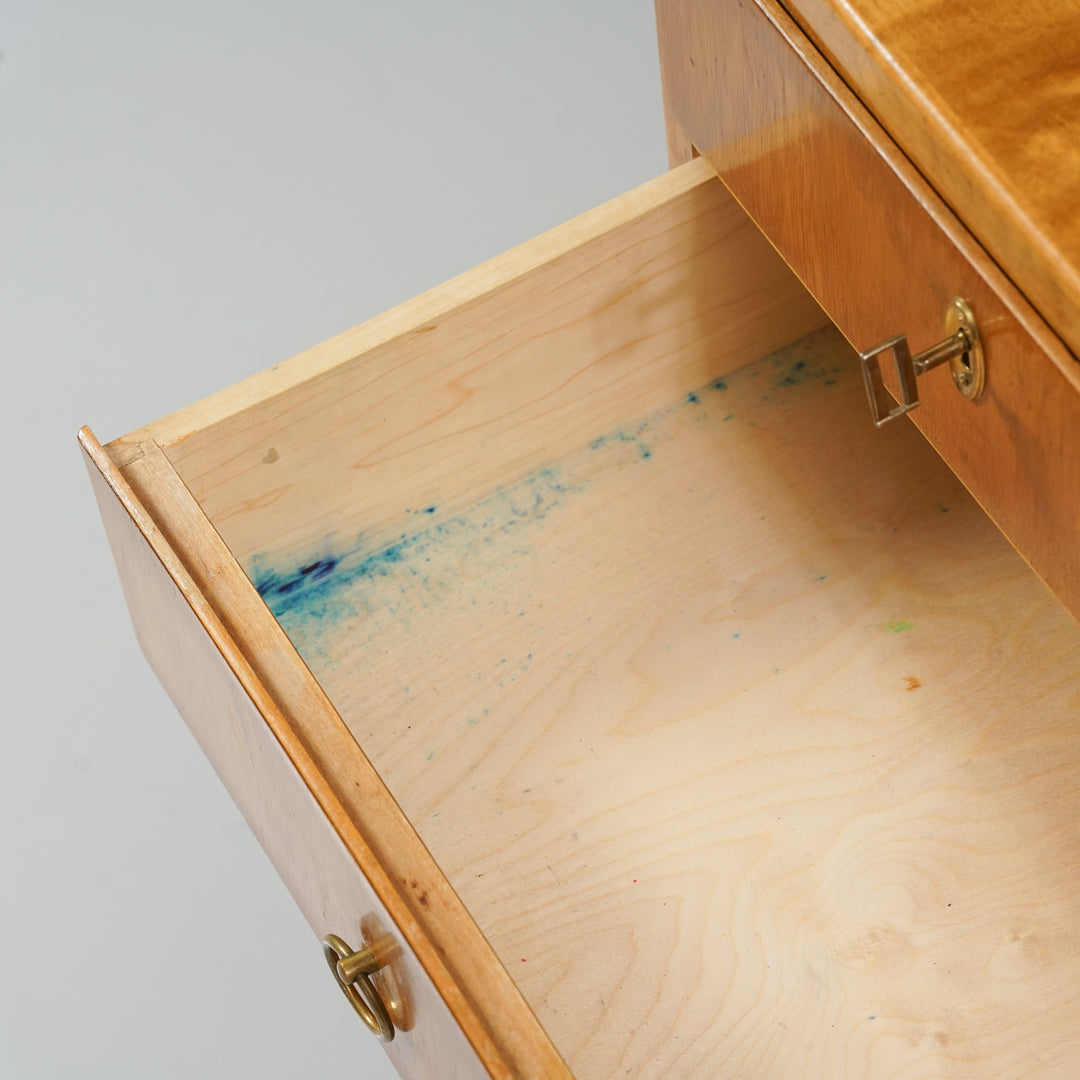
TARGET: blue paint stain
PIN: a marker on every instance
(319, 568)
(410, 570)
(282, 586)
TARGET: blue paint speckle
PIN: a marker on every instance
(789, 368)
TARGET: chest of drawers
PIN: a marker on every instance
(571, 639)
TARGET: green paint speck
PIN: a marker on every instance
(898, 626)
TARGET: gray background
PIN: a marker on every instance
(188, 194)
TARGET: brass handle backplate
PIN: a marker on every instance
(962, 348)
(352, 970)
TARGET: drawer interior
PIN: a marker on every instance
(744, 736)
(737, 723)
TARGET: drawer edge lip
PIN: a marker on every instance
(508, 1049)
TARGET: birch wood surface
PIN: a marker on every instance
(745, 737)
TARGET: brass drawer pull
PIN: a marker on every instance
(962, 348)
(352, 971)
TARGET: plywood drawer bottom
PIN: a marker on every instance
(735, 738)
(719, 736)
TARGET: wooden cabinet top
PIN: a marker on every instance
(985, 100)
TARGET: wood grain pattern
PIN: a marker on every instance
(741, 769)
(337, 839)
(498, 369)
(883, 256)
(984, 99)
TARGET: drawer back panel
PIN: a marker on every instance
(483, 379)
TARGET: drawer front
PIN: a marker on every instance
(883, 256)
(437, 1033)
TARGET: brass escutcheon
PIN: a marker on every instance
(962, 349)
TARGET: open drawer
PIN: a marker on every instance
(570, 638)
